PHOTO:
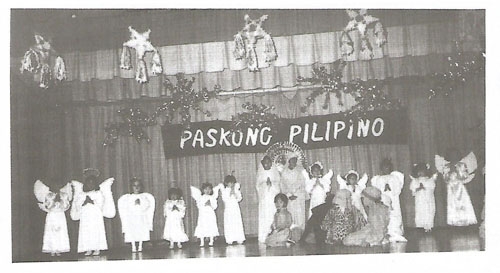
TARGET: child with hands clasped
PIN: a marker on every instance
(317, 184)
(206, 201)
(174, 211)
(233, 224)
(422, 188)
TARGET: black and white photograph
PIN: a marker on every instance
(191, 133)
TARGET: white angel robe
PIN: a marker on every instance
(460, 209)
(355, 192)
(92, 233)
(293, 184)
(390, 197)
(136, 216)
(233, 224)
(317, 192)
(266, 194)
(55, 234)
(174, 212)
(207, 220)
(425, 202)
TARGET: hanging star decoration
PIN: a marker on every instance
(246, 40)
(140, 42)
(461, 67)
(183, 99)
(360, 22)
(329, 82)
(133, 124)
(37, 61)
(369, 96)
(256, 116)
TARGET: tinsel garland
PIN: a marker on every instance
(133, 124)
(257, 116)
(460, 68)
(183, 99)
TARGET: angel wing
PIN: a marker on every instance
(195, 193)
(150, 212)
(216, 190)
(440, 163)
(342, 182)
(75, 211)
(122, 209)
(362, 182)
(67, 192)
(401, 179)
(351, 13)
(109, 209)
(470, 161)
(41, 191)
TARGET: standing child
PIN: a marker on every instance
(268, 185)
(422, 188)
(390, 183)
(281, 227)
(206, 201)
(293, 185)
(339, 221)
(174, 210)
(355, 186)
(90, 204)
(317, 185)
(55, 233)
(233, 224)
(136, 213)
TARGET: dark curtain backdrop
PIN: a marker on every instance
(55, 139)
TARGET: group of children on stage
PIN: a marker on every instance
(360, 212)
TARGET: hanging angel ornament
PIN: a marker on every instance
(55, 234)
(456, 174)
(360, 22)
(246, 40)
(140, 42)
(37, 60)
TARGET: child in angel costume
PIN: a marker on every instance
(206, 201)
(422, 188)
(293, 185)
(355, 185)
(174, 211)
(339, 221)
(90, 204)
(281, 228)
(390, 183)
(233, 224)
(317, 185)
(268, 185)
(375, 231)
(136, 210)
(55, 233)
(456, 173)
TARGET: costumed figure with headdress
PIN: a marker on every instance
(268, 185)
(136, 210)
(339, 221)
(355, 185)
(390, 183)
(233, 223)
(456, 173)
(317, 184)
(375, 231)
(206, 201)
(91, 203)
(55, 234)
(174, 211)
(422, 187)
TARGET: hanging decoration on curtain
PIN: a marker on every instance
(133, 124)
(246, 40)
(369, 96)
(37, 60)
(330, 83)
(256, 116)
(360, 22)
(183, 99)
(140, 42)
(461, 67)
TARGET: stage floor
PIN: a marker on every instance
(439, 240)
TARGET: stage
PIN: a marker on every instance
(446, 239)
